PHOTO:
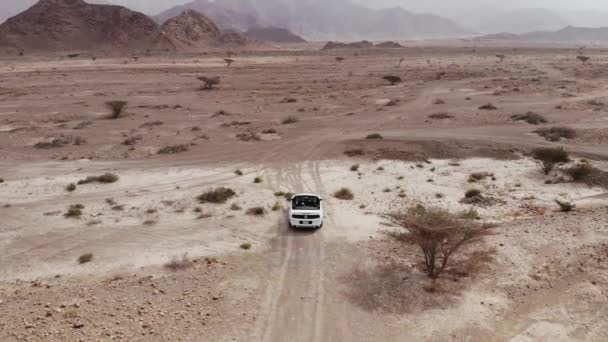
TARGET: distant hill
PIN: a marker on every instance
(343, 19)
(192, 30)
(226, 19)
(568, 34)
(274, 35)
(523, 20)
(76, 25)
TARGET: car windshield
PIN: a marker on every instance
(306, 203)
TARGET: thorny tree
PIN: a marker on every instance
(438, 234)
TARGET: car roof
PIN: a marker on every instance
(306, 194)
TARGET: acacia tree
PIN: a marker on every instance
(583, 59)
(229, 61)
(501, 57)
(437, 233)
(549, 157)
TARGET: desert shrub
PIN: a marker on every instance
(374, 136)
(478, 176)
(548, 157)
(248, 136)
(106, 178)
(437, 233)
(470, 214)
(565, 206)
(472, 193)
(487, 106)
(344, 194)
(179, 263)
(208, 82)
(439, 101)
(173, 149)
(354, 168)
(217, 196)
(74, 211)
(392, 79)
(258, 180)
(87, 257)
(238, 172)
(270, 131)
(245, 246)
(440, 116)
(256, 211)
(55, 142)
(580, 171)
(290, 120)
(556, 133)
(131, 141)
(354, 152)
(116, 108)
(235, 207)
(276, 206)
(70, 187)
(530, 117)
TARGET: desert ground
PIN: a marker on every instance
(162, 266)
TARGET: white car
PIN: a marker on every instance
(306, 211)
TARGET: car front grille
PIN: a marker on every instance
(306, 217)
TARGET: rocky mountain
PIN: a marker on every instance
(76, 25)
(274, 35)
(193, 31)
(321, 20)
(226, 19)
(343, 19)
(568, 34)
(10, 8)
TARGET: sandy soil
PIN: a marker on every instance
(543, 278)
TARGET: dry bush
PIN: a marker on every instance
(235, 207)
(354, 152)
(556, 133)
(258, 180)
(530, 117)
(478, 176)
(217, 196)
(290, 120)
(116, 108)
(548, 157)
(256, 211)
(57, 142)
(438, 234)
(354, 168)
(472, 193)
(245, 246)
(439, 102)
(238, 172)
(87, 257)
(174, 149)
(470, 214)
(488, 106)
(208, 82)
(151, 124)
(440, 116)
(106, 178)
(277, 207)
(179, 263)
(248, 136)
(580, 171)
(131, 141)
(374, 136)
(74, 211)
(339, 59)
(70, 187)
(344, 194)
(392, 79)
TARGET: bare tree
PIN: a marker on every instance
(228, 61)
(437, 233)
(209, 82)
(501, 57)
